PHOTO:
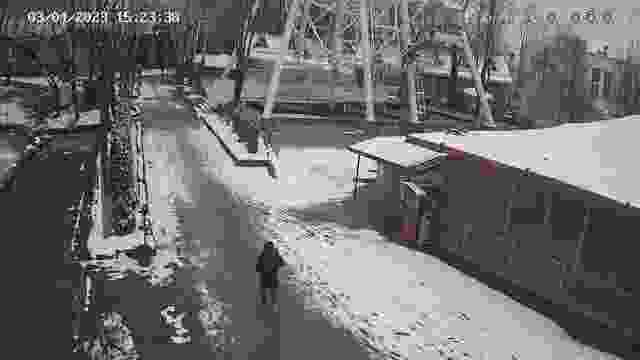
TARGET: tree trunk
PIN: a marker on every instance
(453, 80)
(239, 79)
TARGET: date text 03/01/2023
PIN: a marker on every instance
(104, 16)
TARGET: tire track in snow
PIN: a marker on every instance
(382, 338)
(275, 223)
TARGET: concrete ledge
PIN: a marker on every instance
(236, 150)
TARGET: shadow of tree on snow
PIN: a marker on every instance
(365, 211)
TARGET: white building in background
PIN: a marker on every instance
(633, 51)
(613, 83)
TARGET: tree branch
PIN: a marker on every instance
(249, 40)
(247, 34)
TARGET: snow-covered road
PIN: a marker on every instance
(211, 224)
(399, 302)
(406, 303)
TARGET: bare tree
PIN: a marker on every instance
(483, 25)
(236, 25)
(485, 22)
(242, 46)
(572, 52)
(4, 16)
(560, 66)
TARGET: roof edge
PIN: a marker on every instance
(442, 147)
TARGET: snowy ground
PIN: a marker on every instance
(11, 145)
(169, 310)
(444, 313)
(206, 223)
(403, 304)
(408, 302)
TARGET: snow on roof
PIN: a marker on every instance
(394, 150)
(600, 157)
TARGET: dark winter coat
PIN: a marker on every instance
(268, 264)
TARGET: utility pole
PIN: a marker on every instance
(367, 57)
(74, 67)
(336, 51)
(489, 33)
(484, 104)
(272, 90)
(409, 71)
(489, 43)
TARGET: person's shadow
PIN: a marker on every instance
(268, 347)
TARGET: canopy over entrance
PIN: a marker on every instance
(395, 151)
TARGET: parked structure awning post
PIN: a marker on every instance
(355, 180)
(395, 151)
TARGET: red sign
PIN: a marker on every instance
(408, 232)
(455, 154)
(488, 168)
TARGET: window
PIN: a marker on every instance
(595, 89)
(380, 169)
(637, 86)
(622, 91)
(606, 88)
(596, 250)
(566, 87)
(595, 83)
(609, 249)
(528, 207)
(567, 217)
(392, 15)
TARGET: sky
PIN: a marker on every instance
(616, 35)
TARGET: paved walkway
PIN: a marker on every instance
(15, 116)
(155, 87)
(35, 225)
(212, 220)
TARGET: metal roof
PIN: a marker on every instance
(394, 150)
(600, 157)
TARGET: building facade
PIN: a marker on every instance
(630, 91)
(551, 76)
(518, 220)
(435, 62)
(604, 81)
(560, 81)
(518, 207)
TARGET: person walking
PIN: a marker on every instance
(268, 264)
